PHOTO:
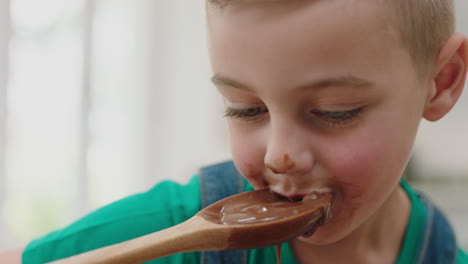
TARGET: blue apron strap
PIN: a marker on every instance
(439, 243)
(217, 182)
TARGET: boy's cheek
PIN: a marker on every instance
(363, 178)
(253, 175)
(248, 158)
(367, 167)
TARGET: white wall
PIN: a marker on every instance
(189, 128)
(4, 34)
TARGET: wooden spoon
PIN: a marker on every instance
(248, 220)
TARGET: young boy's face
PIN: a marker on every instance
(321, 95)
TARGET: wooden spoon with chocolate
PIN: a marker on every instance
(247, 220)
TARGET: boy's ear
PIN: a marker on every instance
(448, 78)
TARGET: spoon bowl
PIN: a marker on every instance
(262, 218)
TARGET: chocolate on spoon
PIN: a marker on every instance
(262, 218)
(247, 220)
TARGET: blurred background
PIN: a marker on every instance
(102, 99)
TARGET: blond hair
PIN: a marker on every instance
(424, 26)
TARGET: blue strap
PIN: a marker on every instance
(217, 182)
(439, 244)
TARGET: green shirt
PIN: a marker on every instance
(168, 204)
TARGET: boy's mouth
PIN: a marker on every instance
(297, 197)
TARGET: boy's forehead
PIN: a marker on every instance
(272, 17)
(379, 7)
(377, 12)
(300, 14)
(298, 29)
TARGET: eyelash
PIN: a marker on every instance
(337, 118)
(247, 114)
(333, 118)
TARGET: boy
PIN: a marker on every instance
(320, 95)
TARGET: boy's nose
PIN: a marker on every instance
(286, 153)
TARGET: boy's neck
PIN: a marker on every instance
(378, 240)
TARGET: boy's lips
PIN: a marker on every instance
(298, 196)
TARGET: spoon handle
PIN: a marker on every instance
(195, 234)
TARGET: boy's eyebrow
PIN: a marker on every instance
(332, 81)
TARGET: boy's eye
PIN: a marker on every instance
(336, 117)
(330, 118)
(246, 113)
